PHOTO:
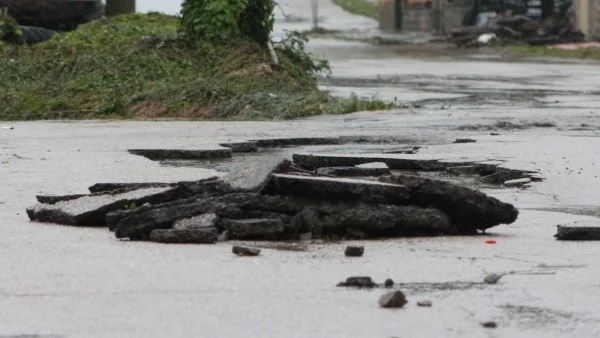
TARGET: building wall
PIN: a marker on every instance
(454, 13)
(594, 19)
(438, 16)
(417, 18)
(387, 15)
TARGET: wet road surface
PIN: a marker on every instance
(61, 281)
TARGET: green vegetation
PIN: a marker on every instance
(582, 53)
(224, 20)
(359, 7)
(144, 66)
(8, 26)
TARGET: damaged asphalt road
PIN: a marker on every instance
(62, 281)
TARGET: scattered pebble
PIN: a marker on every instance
(394, 299)
(354, 251)
(492, 278)
(388, 283)
(424, 303)
(489, 325)
(245, 251)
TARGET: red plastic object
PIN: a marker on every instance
(490, 241)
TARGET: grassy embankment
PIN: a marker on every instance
(137, 67)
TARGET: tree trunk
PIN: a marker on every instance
(118, 7)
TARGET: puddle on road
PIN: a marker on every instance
(429, 89)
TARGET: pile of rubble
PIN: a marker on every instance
(273, 198)
(518, 28)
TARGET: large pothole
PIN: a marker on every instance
(335, 188)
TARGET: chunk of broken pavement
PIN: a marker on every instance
(468, 209)
(354, 251)
(394, 299)
(314, 161)
(107, 187)
(254, 173)
(240, 147)
(464, 140)
(245, 251)
(50, 199)
(197, 222)
(328, 188)
(566, 233)
(182, 154)
(376, 220)
(388, 283)
(257, 229)
(91, 210)
(185, 236)
(359, 282)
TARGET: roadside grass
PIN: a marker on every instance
(583, 53)
(137, 67)
(359, 7)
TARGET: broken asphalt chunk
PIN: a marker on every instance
(252, 175)
(90, 210)
(566, 233)
(241, 147)
(185, 236)
(245, 251)
(354, 251)
(108, 187)
(256, 229)
(181, 154)
(314, 161)
(358, 282)
(197, 222)
(468, 209)
(338, 189)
